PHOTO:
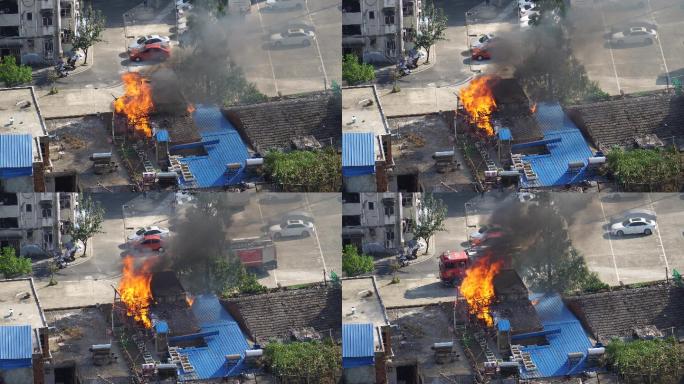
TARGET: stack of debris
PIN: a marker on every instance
(523, 358)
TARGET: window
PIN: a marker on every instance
(9, 31)
(65, 201)
(351, 6)
(390, 44)
(47, 238)
(8, 199)
(389, 210)
(29, 234)
(351, 220)
(9, 222)
(48, 47)
(29, 208)
(407, 8)
(47, 21)
(31, 43)
(371, 15)
(389, 17)
(29, 16)
(9, 6)
(406, 199)
(389, 233)
(371, 206)
(373, 42)
(350, 198)
(47, 212)
(351, 30)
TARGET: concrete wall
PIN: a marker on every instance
(18, 376)
(365, 183)
(21, 184)
(360, 375)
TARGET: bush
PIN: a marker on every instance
(354, 264)
(308, 359)
(12, 265)
(12, 74)
(644, 166)
(305, 170)
(354, 72)
(657, 359)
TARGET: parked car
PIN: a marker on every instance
(480, 54)
(298, 215)
(292, 37)
(633, 226)
(151, 230)
(634, 35)
(150, 243)
(283, 5)
(484, 233)
(292, 228)
(635, 213)
(156, 52)
(484, 40)
(529, 9)
(143, 41)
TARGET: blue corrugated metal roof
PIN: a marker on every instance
(223, 145)
(357, 340)
(569, 146)
(358, 149)
(210, 361)
(16, 347)
(503, 325)
(552, 360)
(162, 135)
(161, 327)
(505, 134)
(16, 158)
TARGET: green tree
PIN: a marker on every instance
(91, 23)
(353, 263)
(354, 72)
(650, 361)
(644, 166)
(319, 170)
(12, 74)
(229, 278)
(432, 28)
(12, 265)
(312, 361)
(431, 215)
(88, 221)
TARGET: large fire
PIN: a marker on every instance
(478, 288)
(136, 103)
(478, 101)
(135, 290)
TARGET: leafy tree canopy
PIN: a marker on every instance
(644, 166)
(659, 359)
(12, 265)
(310, 359)
(432, 28)
(89, 31)
(88, 221)
(355, 72)
(431, 215)
(12, 74)
(353, 263)
(319, 170)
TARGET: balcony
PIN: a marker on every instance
(352, 18)
(9, 19)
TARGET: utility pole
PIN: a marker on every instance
(58, 29)
(400, 30)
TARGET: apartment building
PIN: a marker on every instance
(379, 31)
(35, 222)
(378, 223)
(36, 31)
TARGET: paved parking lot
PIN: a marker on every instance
(290, 70)
(300, 260)
(630, 67)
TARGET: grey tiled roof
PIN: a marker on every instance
(618, 122)
(615, 314)
(273, 124)
(274, 315)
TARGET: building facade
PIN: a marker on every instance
(378, 223)
(379, 31)
(35, 222)
(37, 31)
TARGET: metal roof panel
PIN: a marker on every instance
(358, 149)
(15, 342)
(357, 340)
(15, 151)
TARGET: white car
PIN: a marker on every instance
(292, 228)
(530, 10)
(633, 226)
(283, 5)
(140, 233)
(142, 41)
(634, 35)
(292, 37)
(483, 41)
(481, 233)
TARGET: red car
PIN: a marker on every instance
(157, 52)
(150, 243)
(480, 54)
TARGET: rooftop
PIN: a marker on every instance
(362, 295)
(618, 313)
(277, 315)
(20, 114)
(620, 121)
(565, 144)
(362, 112)
(76, 330)
(275, 123)
(569, 336)
(19, 304)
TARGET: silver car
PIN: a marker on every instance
(292, 37)
(633, 226)
(283, 5)
(634, 35)
(291, 228)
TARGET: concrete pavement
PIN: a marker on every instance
(77, 102)
(418, 101)
(414, 291)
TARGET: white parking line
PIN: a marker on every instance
(660, 45)
(660, 239)
(612, 57)
(268, 51)
(318, 242)
(318, 48)
(610, 240)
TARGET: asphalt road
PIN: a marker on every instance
(630, 67)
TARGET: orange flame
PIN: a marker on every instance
(136, 103)
(135, 290)
(533, 110)
(191, 108)
(478, 288)
(478, 100)
(189, 299)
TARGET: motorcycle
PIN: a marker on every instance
(61, 71)
(402, 260)
(403, 70)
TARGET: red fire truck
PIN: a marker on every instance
(452, 266)
(255, 252)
